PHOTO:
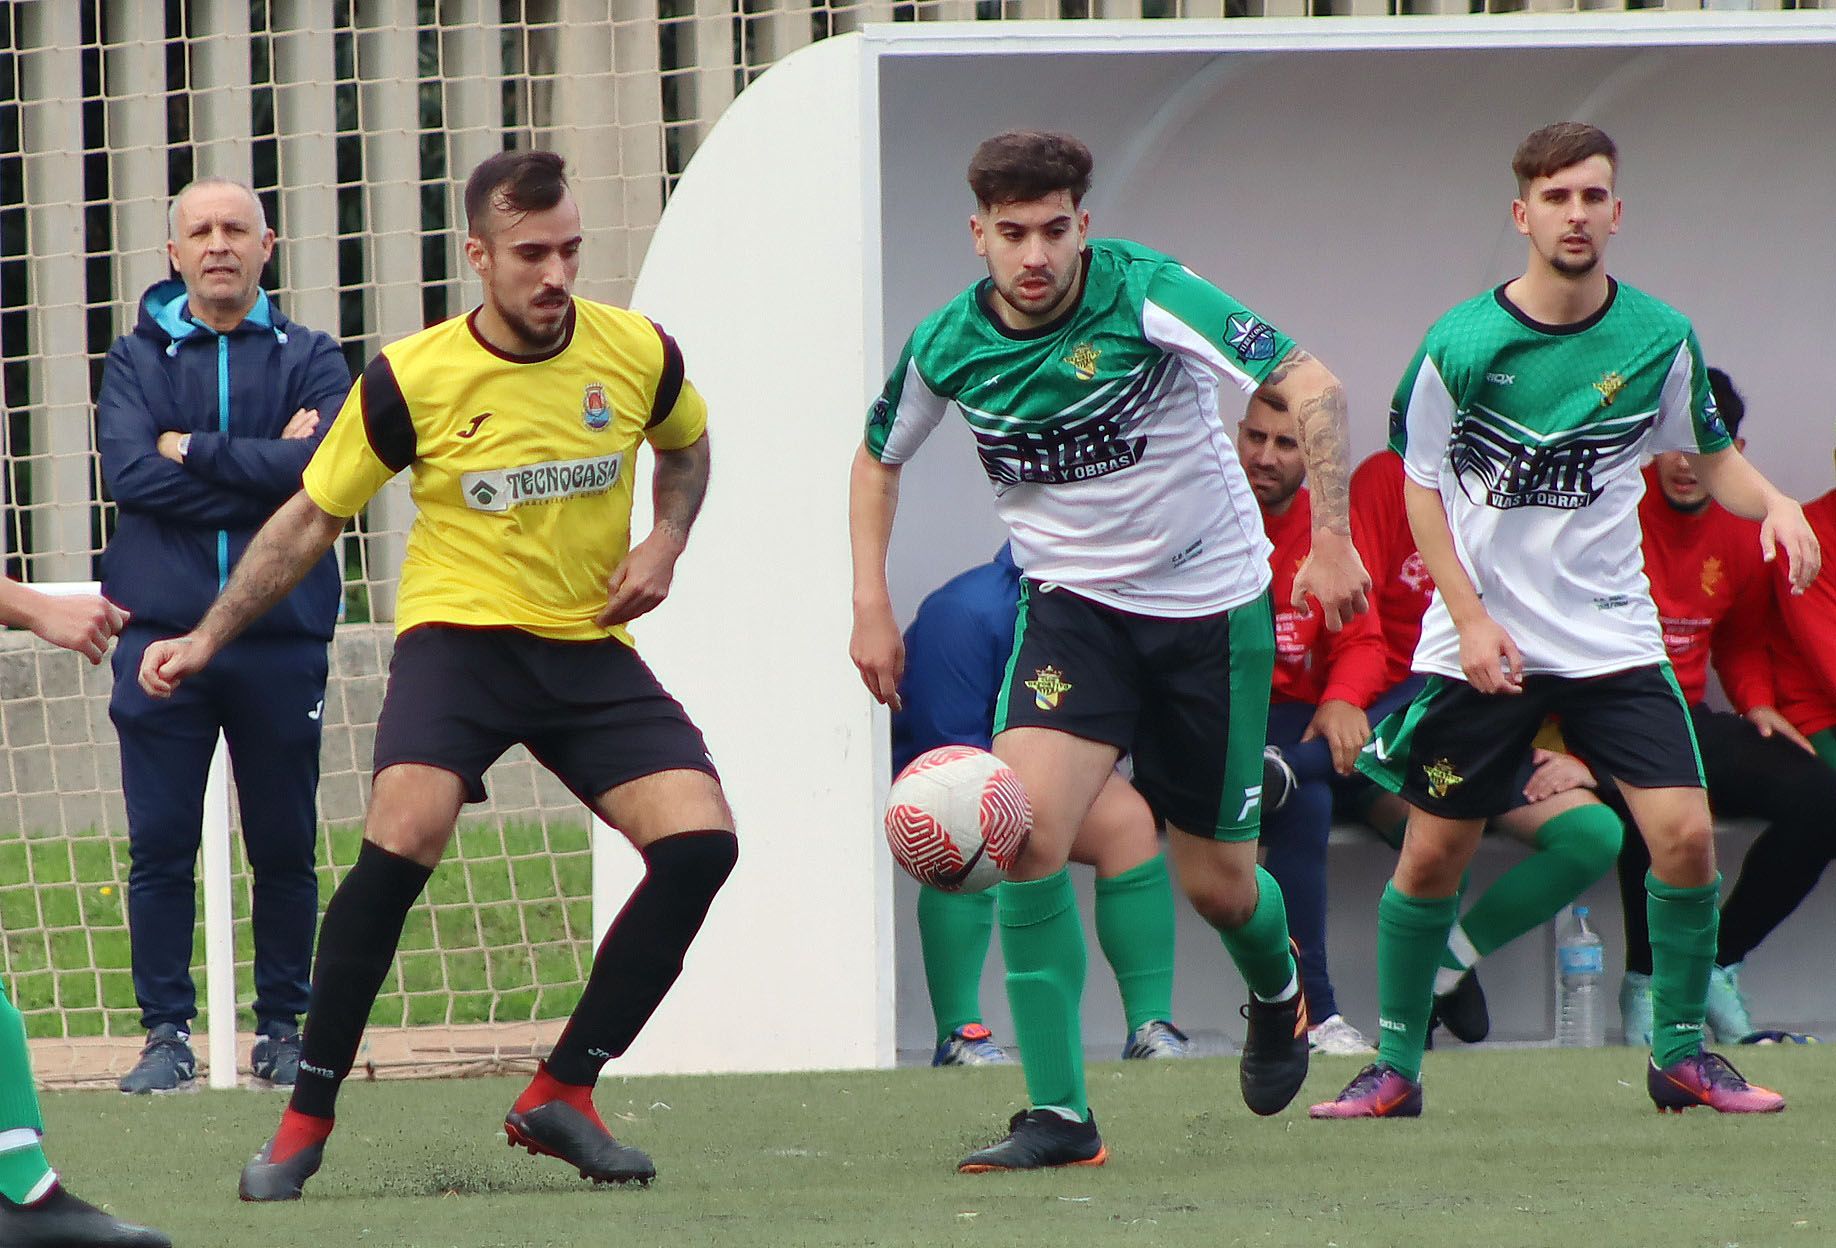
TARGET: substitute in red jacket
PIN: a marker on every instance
(1715, 600)
(1804, 658)
(1323, 683)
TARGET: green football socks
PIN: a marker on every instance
(1684, 924)
(953, 932)
(1134, 925)
(1042, 941)
(25, 1175)
(1573, 849)
(1411, 936)
(1260, 947)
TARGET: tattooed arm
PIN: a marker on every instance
(642, 579)
(294, 539)
(1332, 572)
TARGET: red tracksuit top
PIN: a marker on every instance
(1713, 596)
(1804, 661)
(1313, 665)
(1400, 584)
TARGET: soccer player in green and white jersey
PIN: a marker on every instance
(1089, 375)
(1522, 422)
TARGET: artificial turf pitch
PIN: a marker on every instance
(1516, 1147)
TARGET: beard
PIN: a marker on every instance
(1060, 286)
(1579, 267)
(536, 338)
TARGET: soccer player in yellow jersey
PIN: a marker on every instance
(520, 424)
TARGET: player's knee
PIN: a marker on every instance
(695, 863)
(1432, 868)
(415, 840)
(1225, 900)
(1684, 851)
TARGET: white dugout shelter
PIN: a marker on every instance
(1348, 179)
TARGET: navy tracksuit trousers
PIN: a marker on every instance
(267, 695)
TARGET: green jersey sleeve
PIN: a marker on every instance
(1183, 313)
(1422, 419)
(1687, 419)
(905, 413)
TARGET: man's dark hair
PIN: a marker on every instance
(1732, 408)
(1021, 165)
(518, 182)
(1554, 148)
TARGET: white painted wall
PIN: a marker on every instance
(1349, 180)
(758, 271)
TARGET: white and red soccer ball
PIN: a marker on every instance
(956, 819)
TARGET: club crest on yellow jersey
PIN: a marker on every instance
(595, 408)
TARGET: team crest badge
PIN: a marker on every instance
(1711, 576)
(1711, 417)
(1083, 361)
(1609, 387)
(1048, 686)
(1250, 338)
(1441, 777)
(595, 410)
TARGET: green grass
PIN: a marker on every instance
(1519, 1147)
(506, 919)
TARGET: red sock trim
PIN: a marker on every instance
(298, 1131)
(545, 1088)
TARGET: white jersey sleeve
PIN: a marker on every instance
(905, 413)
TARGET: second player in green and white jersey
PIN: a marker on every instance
(1090, 429)
(1534, 435)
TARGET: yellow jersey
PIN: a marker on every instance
(521, 466)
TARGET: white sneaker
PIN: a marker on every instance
(1338, 1038)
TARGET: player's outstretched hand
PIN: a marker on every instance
(84, 623)
(878, 652)
(1345, 727)
(165, 664)
(1333, 573)
(1555, 772)
(1785, 527)
(641, 582)
(1489, 658)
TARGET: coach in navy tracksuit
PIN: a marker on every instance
(208, 413)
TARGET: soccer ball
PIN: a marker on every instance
(957, 818)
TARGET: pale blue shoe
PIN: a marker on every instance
(1727, 1008)
(1635, 1009)
(972, 1044)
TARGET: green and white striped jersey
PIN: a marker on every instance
(1534, 435)
(1112, 466)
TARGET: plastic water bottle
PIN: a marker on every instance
(1580, 967)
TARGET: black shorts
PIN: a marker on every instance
(1187, 698)
(1459, 753)
(589, 711)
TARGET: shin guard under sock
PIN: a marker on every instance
(357, 940)
(641, 956)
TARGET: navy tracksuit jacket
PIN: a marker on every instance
(181, 528)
